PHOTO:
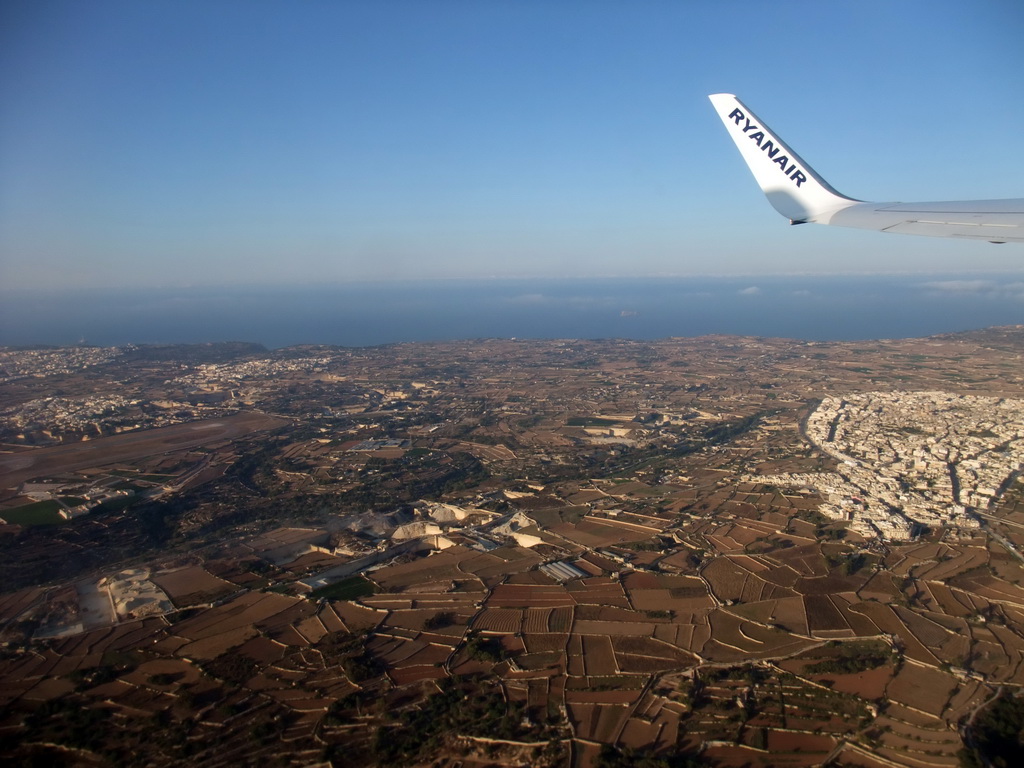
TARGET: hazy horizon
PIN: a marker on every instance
(810, 307)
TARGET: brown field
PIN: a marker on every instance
(598, 656)
(393, 650)
(529, 596)
(610, 613)
(433, 655)
(498, 620)
(463, 602)
(922, 688)
(13, 604)
(722, 543)
(357, 618)
(783, 741)
(609, 720)
(612, 628)
(679, 560)
(263, 650)
(730, 757)
(971, 694)
(288, 635)
(805, 558)
(595, 565)
(780, 575)
(314, 561)
(591, 696)
(662, 600)
(745, 533)
(503, 562)
(638, 734)
(441, 566)
(946, 600)
(240, 612)
(583, 718)
(789, 613)
(683, 586)
(802, 528)
(598, 591)
(694, 637)
(311, 629)
(725, 578)
(48, 689)
(639, 580)
(632, 664)
(191, 584)
(649, 646)
(887, 621)
(546, 663)
(762, 610)
(822, 615)
(829, 585)
(212, 646)
(937, 740)
(414, 674)
(509, 576)
(989, 658)
(185, 672)
(752, 563)
(880, 587)
(928, 631)
(996, 590)
(590, 533)
(412, 619)
(868, 685)
(1014, 647)
(972, 557)
(542, 642)
(560, 619)
(574, 656)
(536, 620)
(861, 625)
(733, 639)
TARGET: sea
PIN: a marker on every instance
(808, 307)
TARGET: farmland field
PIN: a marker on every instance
(37, 513)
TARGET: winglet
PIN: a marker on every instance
(790, 184)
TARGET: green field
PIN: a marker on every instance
(585, 421)
(38, 513)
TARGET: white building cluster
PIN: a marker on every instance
(55, 415)
(222, 374)
(20, 363)
(931, 458)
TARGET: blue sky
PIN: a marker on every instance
(156, 144)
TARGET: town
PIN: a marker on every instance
(924, 458)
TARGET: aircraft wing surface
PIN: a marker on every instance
(797, 192)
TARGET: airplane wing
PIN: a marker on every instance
(797, 192)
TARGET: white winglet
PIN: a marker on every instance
(790, 184)
(801, 195)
